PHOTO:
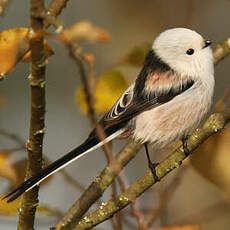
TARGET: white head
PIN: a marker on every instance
(185, 51)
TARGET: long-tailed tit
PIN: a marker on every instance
(170, 97)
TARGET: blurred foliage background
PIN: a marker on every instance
(201, 195)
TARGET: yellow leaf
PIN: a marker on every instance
(212, 160)
(136, 56)
(11, 209)
(14, 44)
(109, 87)
(7, 169)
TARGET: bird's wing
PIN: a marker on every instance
(129, 105)
(121, 105)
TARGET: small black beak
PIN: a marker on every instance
(207, 43)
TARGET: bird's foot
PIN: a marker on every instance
(185, 147)
(152, 167)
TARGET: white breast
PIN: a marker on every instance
(173, 120)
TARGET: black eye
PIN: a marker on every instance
(190, 51)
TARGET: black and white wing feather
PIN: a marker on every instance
(121, 105)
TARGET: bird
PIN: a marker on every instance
(169, 99)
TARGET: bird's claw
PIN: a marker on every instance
(152, 167)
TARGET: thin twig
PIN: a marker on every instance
(123, 184)
(71, 181)
(34, 145)
(140, 217)
(135, 212)
(113, 224)
(54, 9)
(50, 211)
(3, 5)
(165, 196)
(48, 18)
(114, 218)
(14, 138)
(79, 58)
(76, 54)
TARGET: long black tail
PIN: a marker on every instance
(89, 145)
(52, 168)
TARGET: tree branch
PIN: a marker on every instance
(54, 9)
(221, 50)
(37, 86)
(215, 123)
(77, 56)
(97, 188)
